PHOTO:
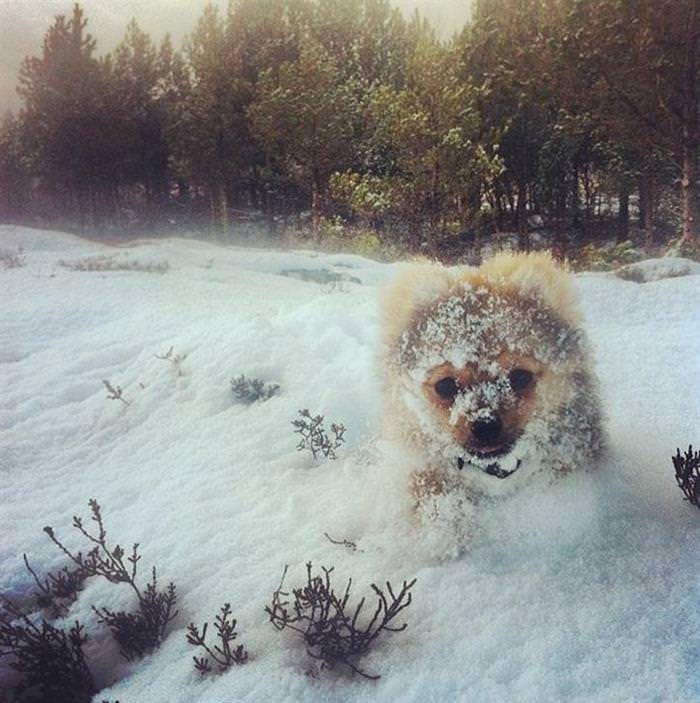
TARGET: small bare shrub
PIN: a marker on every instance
(175, 359)
(314, 436)
(143, 631)
(51, 661)
(331, 629)
(12, 259)
(222, 654)
(57, 591)
(687, 468)
(139, 632)
(250, 390)
(109, 263)
(115, 393)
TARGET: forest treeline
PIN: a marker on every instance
(577, 115)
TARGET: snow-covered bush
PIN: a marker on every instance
(314, 436)
(658, 269)
(109, 263)
(175, 359)
(222, 655)
(332, 631)
(250, 390)
(12, 259)
(687, 468)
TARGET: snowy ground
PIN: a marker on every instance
(589, 591)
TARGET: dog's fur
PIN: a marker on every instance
(487, 376)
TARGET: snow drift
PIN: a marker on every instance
(587, 592)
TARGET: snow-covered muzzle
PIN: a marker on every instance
(492, 383)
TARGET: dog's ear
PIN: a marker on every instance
(538, 275)
(415, 287)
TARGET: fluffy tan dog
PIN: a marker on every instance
(487, 376)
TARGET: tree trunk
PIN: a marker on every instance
(315, 201)
(223, 212)
(218, 210)
(646, 209)
(521, 220)
(623, 215)
(690, 132)
(690, 199)
(575, 203)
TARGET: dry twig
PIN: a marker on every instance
(115, 393)
(222, 654)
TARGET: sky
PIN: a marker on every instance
(24, 22)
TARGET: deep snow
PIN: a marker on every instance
(586, 591)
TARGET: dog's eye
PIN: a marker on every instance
(447, 388)
(520, 379)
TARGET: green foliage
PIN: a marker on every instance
(304, 116)
(366, 195)
(582, 113)
(422, 145)
(366, 244)
(594, 257)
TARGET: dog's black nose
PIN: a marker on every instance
(488, 430)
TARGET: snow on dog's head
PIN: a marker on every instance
(487, 375)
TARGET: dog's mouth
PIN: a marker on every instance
(495, 463)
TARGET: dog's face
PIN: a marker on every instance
(486, 409)
(483, 373)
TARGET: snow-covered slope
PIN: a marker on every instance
(586, 592)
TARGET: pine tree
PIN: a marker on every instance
(15, 175)
(68, 121)
(644, 58)
(305, 118)
(136, 81)
(213, 141)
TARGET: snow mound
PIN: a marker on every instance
(658, 269)
(587, 592)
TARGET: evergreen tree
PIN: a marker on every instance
(67, 116)
(213, 141)
(425, 164)
(305, 119)
(643, 57)
(15, 177)
(136, 82)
